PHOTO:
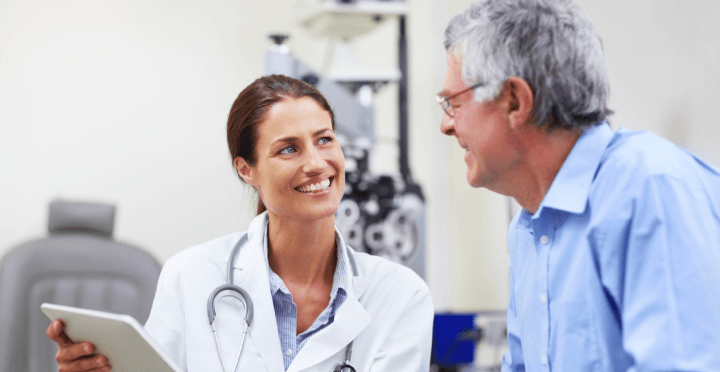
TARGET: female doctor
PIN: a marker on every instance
(317, 302)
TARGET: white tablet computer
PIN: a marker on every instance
(126, 344)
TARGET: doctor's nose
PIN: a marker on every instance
(314, 161)
(447, 125)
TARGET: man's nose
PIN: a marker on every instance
(447, 125)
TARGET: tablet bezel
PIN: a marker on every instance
(119, 337)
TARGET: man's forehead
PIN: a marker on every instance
(453, 75)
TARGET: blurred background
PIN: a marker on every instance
(126, 102)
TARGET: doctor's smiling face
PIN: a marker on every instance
(281, 138)
(300, 168)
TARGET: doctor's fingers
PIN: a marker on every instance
(67, 349)
(94, 363)
(67, 354)
(56, 332)
(72, 356)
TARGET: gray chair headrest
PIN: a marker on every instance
(81, 217)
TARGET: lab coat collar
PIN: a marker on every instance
(256, 232)
(350, 318)
(359, 281)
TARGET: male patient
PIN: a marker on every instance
(615, 256)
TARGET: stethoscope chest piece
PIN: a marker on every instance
(343, 367)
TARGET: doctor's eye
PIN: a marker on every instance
(287, 150)
(324, 140)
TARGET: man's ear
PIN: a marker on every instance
(244, 170)
(519, 101)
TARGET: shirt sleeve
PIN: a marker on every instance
(408, 346)
(670, 303)
(513, 359)
(166, 322)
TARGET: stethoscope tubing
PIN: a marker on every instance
(229, 286)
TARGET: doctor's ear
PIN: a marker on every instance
(243, 169)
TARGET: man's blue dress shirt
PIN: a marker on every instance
(286, 310)
(619, 268)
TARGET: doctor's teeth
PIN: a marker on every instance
(322, 185)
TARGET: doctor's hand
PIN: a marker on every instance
(75, 357)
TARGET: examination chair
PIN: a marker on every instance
(77, 264)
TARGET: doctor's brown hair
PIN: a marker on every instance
(250, 109)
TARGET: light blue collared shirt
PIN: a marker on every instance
(619, 268)
(286, 310)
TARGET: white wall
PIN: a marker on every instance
(126, 102)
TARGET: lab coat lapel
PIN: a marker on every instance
(351, 318)
(251, 274)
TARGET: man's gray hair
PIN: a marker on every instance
(551, 44)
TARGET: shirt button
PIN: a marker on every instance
(543, 299)
(288, 352)
(544, 239)
(543, 360)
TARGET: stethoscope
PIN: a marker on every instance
(340, 367)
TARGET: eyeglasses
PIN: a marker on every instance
(445, 101)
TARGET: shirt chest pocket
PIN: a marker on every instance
(573, 339)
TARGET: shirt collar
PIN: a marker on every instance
(571, 186)
(339, 278)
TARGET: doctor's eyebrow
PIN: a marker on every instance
(291, 139)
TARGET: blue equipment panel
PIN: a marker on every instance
(454, 338)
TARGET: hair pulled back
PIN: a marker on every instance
(251, 107)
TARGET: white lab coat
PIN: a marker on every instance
(388, 313)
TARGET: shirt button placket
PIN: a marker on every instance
(545, 245)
